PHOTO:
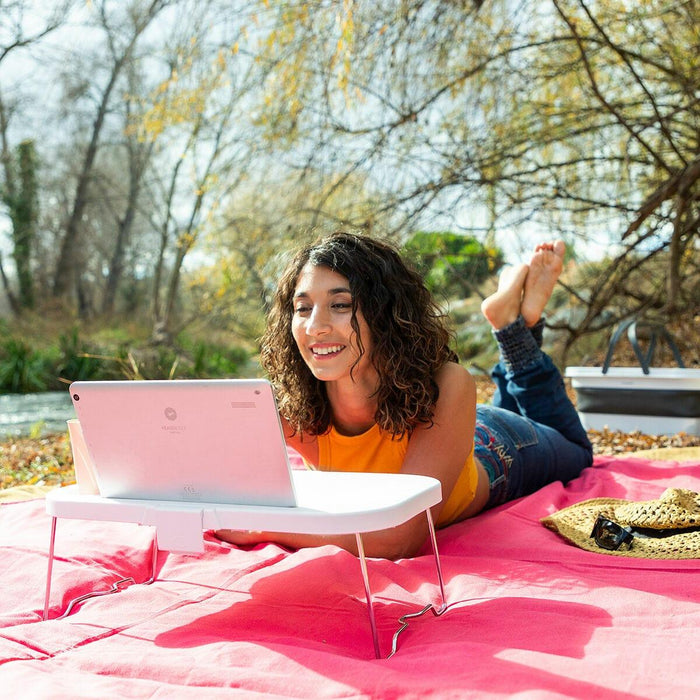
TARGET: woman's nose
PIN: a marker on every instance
(318, 322)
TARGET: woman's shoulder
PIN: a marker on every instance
(453, 372)
(455, 381)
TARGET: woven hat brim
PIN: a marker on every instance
(675, 508)
(575, 524)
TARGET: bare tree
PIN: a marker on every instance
(18, 190)
(138, 156)
(121, 46)
(13, 19)
(207, 144)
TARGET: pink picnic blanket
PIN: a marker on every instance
(530, 615)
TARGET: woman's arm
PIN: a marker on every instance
(306, 446)
(439, 451)
(405, 540)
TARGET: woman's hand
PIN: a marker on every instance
(404, 540)
(243, 538)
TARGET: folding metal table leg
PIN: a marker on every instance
(436, 554)
(368, 594)
(50, 569)
(154, 560)
(117, 586)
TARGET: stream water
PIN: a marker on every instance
(46, 411)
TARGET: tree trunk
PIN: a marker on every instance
(187, 238)
(65, 279)
(158, 329)
(24, 214)
(185, 242)
(673, 281)
(8, 290)
(137, 166)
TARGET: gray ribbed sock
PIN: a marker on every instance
(518, 345)
(537, 331)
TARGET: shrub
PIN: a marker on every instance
(78, 360)
(217, 361)
(22, 369)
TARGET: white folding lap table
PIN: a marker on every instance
(328, 503)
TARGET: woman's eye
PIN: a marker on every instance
(339, 306)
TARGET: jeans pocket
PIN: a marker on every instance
(510, 426)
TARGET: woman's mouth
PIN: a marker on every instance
(326, 350)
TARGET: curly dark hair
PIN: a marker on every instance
(410, 340)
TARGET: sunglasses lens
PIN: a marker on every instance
(609, 535)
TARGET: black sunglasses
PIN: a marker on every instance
(609, 535)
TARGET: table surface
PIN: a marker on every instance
(328, 503)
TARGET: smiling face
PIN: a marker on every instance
(322, 327)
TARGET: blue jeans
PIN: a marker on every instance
(531, 435)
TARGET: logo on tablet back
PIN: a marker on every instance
(191, 492)
(171, 414)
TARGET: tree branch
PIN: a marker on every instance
(601, 98)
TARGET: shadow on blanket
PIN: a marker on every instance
(549, 627)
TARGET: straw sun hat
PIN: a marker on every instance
(665, 528)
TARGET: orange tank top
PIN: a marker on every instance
(375, 451)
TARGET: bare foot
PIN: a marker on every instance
(503, 306)
(545, 268)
